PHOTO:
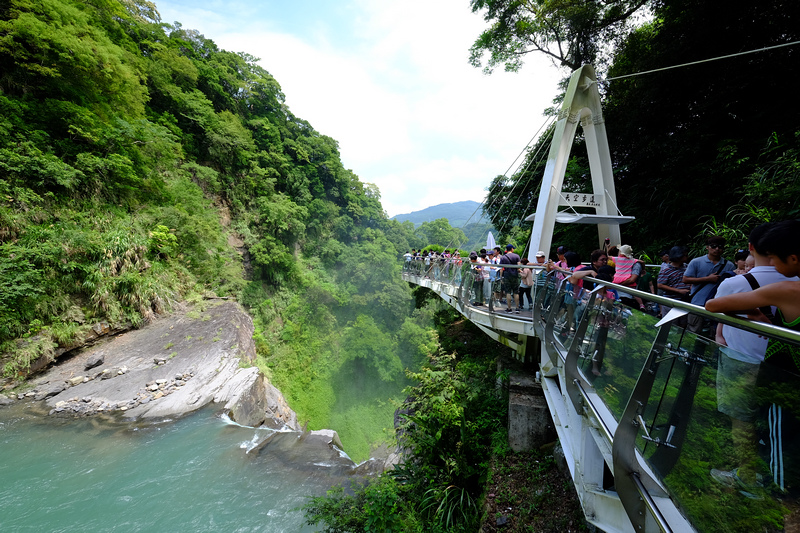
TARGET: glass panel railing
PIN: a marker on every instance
(561, 317)
(482, 284)
(614, 349)
(546, 287)
(721, 432)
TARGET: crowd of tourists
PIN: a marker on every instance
(501, 276)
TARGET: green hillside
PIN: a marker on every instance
(142, 166)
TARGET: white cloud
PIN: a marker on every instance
(394, 87)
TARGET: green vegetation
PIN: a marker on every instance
(570, 32)
(135, 155)
(694, 149)
(451, 416)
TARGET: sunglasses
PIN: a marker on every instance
(720, 246)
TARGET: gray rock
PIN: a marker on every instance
(94, 361)
(204, 372)
(5, 400)
(52, 391)
(101, 328)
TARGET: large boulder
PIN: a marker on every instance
(173, 366)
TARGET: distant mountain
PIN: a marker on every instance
(465, 215)
(457, 213)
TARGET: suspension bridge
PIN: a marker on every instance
(640, 404)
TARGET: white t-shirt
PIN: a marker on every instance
(743, 345)
(485, 271)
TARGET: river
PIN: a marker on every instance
(192, 474)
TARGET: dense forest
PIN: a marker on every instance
(706, 147)
(142, 166)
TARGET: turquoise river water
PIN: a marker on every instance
(197, 473)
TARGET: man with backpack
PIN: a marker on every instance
(741, 355)
(510, 281)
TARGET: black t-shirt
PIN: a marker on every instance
(510, 258)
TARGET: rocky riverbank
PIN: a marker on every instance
(173, 366)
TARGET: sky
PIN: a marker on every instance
(392, 83)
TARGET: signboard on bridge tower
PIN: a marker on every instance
(580, 199)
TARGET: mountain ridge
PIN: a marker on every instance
(457, 213)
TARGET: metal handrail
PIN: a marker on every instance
(637, 485)
(762, 328)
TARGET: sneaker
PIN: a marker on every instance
(516, 310)
(509, 310)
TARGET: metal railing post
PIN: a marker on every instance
(634, 485)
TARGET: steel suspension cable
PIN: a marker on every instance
(524, 149)
(703, 61)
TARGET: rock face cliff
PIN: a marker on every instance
(172, 366)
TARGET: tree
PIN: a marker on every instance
(55, 49)
(440, 232)
(372, 350)
(570, 32)
(684, 140)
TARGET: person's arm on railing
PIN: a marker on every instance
(580, 274)
(782, 295)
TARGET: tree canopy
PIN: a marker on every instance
(693, 148)
(569, 32)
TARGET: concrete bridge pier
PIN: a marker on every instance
(530, 425)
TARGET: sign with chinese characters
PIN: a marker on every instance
(580, 199)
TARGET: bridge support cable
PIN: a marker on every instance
(544, 126)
